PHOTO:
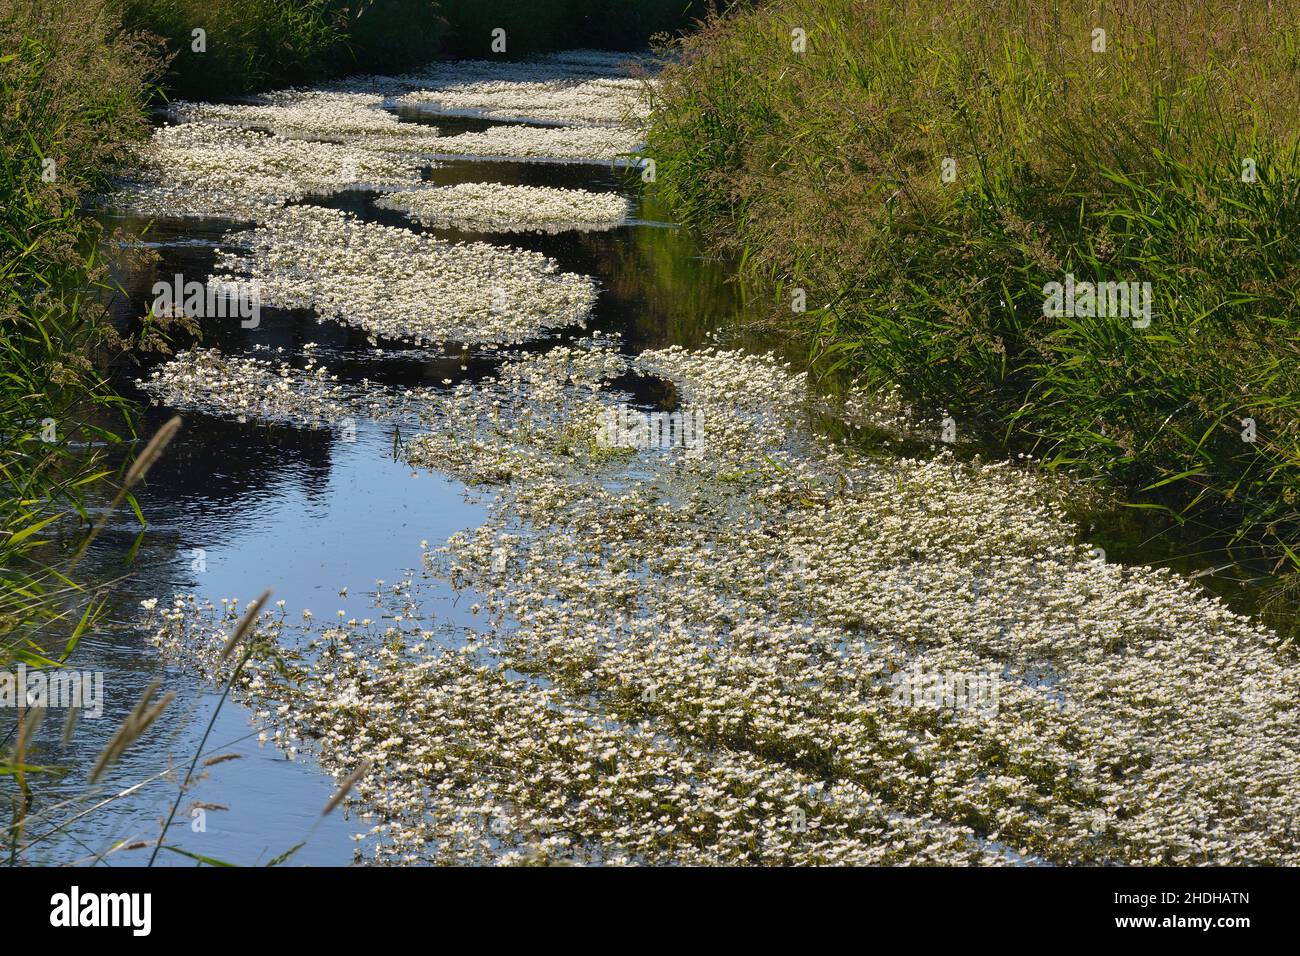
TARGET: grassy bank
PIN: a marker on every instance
(73, 87)
(1164, 151)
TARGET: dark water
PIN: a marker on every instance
(237, 508)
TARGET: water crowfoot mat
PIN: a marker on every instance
(198, 169)
(272, 390)
(537, 143)
(399, 285)
(312, 114)
(494, 207)
(470, 765)
(856, 658)
(604, 101)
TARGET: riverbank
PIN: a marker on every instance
(935, 184)
(73, 94)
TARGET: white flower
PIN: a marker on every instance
(493, 207)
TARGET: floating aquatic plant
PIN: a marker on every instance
(494, 207)
(313, 114)
(399, 285)
(573, 143)
(198, 169)
(762, 591)
(468, 765)
(603, 101)
(270, 390)
(745, 611)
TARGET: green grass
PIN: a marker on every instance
(73, 89)
(823, 170)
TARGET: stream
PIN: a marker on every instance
(235, 508)
(325, 520)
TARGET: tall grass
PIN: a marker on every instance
(72, 91)
(824, 169)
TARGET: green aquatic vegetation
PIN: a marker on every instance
(201, 169)
(73, 86)
(469, 765)
(267, 390)
(495, 207)
(587, 144)
(564, 98)
(766, 627)
(398, 284)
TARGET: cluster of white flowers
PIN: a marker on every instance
(239, 160)
(197, 169)
(885, 410)
(744, 612)
(468, 765)
(312, 114)
(604, 144)
(604, 101)
(264, 390)
(494, 207)
(400, 285)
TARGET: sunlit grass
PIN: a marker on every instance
(823, 170)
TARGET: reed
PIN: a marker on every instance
(72, 91)
(1172, 157)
